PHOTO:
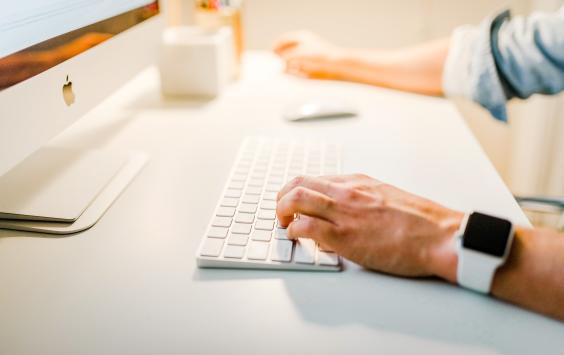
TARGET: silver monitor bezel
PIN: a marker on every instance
(34, 111)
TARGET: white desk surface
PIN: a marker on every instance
(130, 285)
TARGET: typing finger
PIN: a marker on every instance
(303, 201)
(311, 227)
(310, 182)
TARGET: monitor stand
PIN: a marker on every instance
(64, 191)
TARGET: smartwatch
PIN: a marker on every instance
(484, 243)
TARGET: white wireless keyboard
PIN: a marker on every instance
(244, 231)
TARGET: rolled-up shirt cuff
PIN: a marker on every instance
(457, 70)
(470, 70)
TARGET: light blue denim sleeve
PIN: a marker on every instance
(517, 57)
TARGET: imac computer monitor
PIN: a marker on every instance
(60, 58)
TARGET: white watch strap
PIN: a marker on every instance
(476, 270)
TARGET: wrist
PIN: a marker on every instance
(340, 62)
(444, 256)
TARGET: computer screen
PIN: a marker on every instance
(36, 35)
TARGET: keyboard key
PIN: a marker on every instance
(273, 187)
(263, 236)
(325, 258)
(251, 190)
(256, 182)
(264, 225)
(236, 185)
(247, 208)
(245, 218)
(281, 250)
(234, 252)
(238, 239)
(257, 250)
(242, 171)
(233, 193)
(221, 222)
(267, 214)
(305, 251)
(229, 202)
(268, 205)
(225, 212)
(240, 228)
(211, 247)
(258, 176)
(251, 199)
(217, 232)
(239, 177)
(274, 180)
(270, 196)
(281, 233)
(324, 248)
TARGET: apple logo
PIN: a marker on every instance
(68, 94)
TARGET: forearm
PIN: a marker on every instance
(416, 69)
(533, 276)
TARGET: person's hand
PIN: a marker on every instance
(308, 55)
(372, 223)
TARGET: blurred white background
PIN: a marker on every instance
(528, 151)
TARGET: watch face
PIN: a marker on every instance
(486, 234)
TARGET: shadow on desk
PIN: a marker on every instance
(424, 308)
(152, 100)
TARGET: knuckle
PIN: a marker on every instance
(350, 192)
(386, 187)
(330, 186)
(379, 201)
(298, 194)
(298, 180)
(361, 176)
(329, 203)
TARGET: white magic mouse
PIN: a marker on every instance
(320, 108)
